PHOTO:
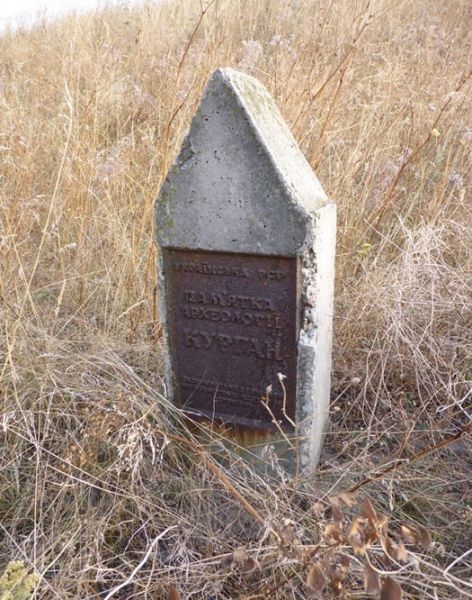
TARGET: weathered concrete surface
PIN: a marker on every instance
(316, 334)
(240, 184)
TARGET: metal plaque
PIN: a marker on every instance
(233, 323)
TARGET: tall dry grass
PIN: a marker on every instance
(100, 485)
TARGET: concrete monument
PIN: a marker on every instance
(246, 239)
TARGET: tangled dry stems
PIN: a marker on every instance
(104, 492)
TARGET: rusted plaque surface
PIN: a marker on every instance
(233, 322)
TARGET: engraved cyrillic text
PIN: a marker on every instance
(233, 328)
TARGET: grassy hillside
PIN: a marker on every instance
(100, 483)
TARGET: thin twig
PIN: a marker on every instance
(222, 478)
(380, 211)
(141, 564)
(401, 462)
(166, 134)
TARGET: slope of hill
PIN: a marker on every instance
(100, 484)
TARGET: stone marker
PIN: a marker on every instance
(246, 240)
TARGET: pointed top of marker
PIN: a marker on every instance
(240, 183)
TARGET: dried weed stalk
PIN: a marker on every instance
(104, 492)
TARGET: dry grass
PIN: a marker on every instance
(99, 482)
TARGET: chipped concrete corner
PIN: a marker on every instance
(315, 338)
(241, 185)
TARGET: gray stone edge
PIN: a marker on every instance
(315, 342)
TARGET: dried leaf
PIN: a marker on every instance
(356, 536)
(371, 580)
(315, 580)
(425, 537)
(368, 512)
(382, 523)
(371, 533)
(241, 559)
(336, 513)
(395, 550)
(287, 535)
(390, 590)
(399, 552)
(347, 498)
(417, 535)
(333, 532)
(409, 534)
(337, 575)
(301, 554)
(173, 594)
(345, 561)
